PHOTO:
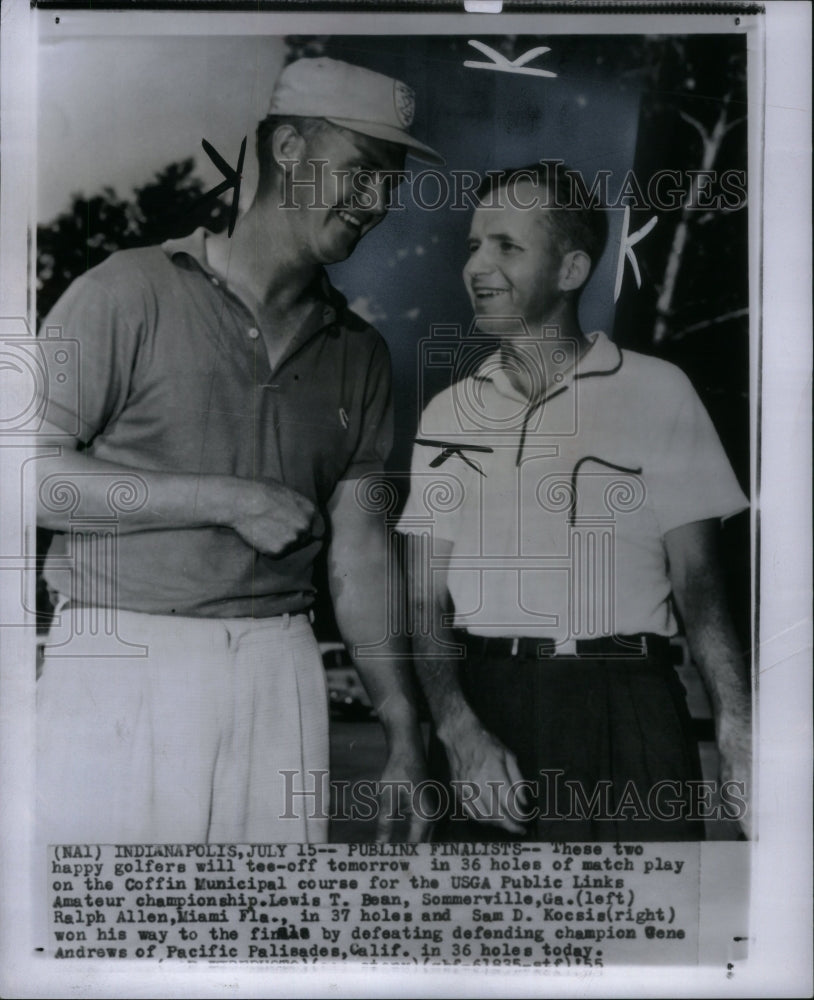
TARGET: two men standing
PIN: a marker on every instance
(233, 382)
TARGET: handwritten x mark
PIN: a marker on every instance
(500, 64)
(233, 178)
(450, 449)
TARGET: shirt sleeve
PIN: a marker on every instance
(689, 476)
(85, 396)
(437, 493)
(376, 434)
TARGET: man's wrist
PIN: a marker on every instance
(733, 724)
(227, 499)
(733, 706)
(399, 717)
(455, 722)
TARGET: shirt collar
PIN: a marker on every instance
(194, 246)
(603, 357)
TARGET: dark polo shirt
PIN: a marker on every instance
(174, 376)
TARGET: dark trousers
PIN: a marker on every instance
(607, 739)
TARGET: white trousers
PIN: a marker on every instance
(187, 744)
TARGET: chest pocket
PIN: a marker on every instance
(601, 489)
(316, 436)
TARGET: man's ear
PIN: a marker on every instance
(287, 145)
(574, 271)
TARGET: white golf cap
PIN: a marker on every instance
(351, 97)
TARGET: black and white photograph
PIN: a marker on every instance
(405, 468)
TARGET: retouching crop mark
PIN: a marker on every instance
(629, 240)
(450, 449)
(500, 64)
(233, 178)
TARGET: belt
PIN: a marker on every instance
(63, 603)
(643, 644)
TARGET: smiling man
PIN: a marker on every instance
(228, 384)
(582, 488)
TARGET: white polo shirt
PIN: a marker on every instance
(556, 511)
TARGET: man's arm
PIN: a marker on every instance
(269, 516)
(476, 757)
(698, 587)
(361, 591)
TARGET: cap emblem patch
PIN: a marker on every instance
(404, 100)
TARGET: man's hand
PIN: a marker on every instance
(403, 809)
(363, 584)
(485, 772)
(698, 588)
(734, 739)
(487, 780)
(269, 516)
(272, 517)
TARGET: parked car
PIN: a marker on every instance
(346, 692)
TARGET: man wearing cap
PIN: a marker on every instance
(565, 503)
(225, 384)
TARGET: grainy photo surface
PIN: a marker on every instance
(389, 464)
